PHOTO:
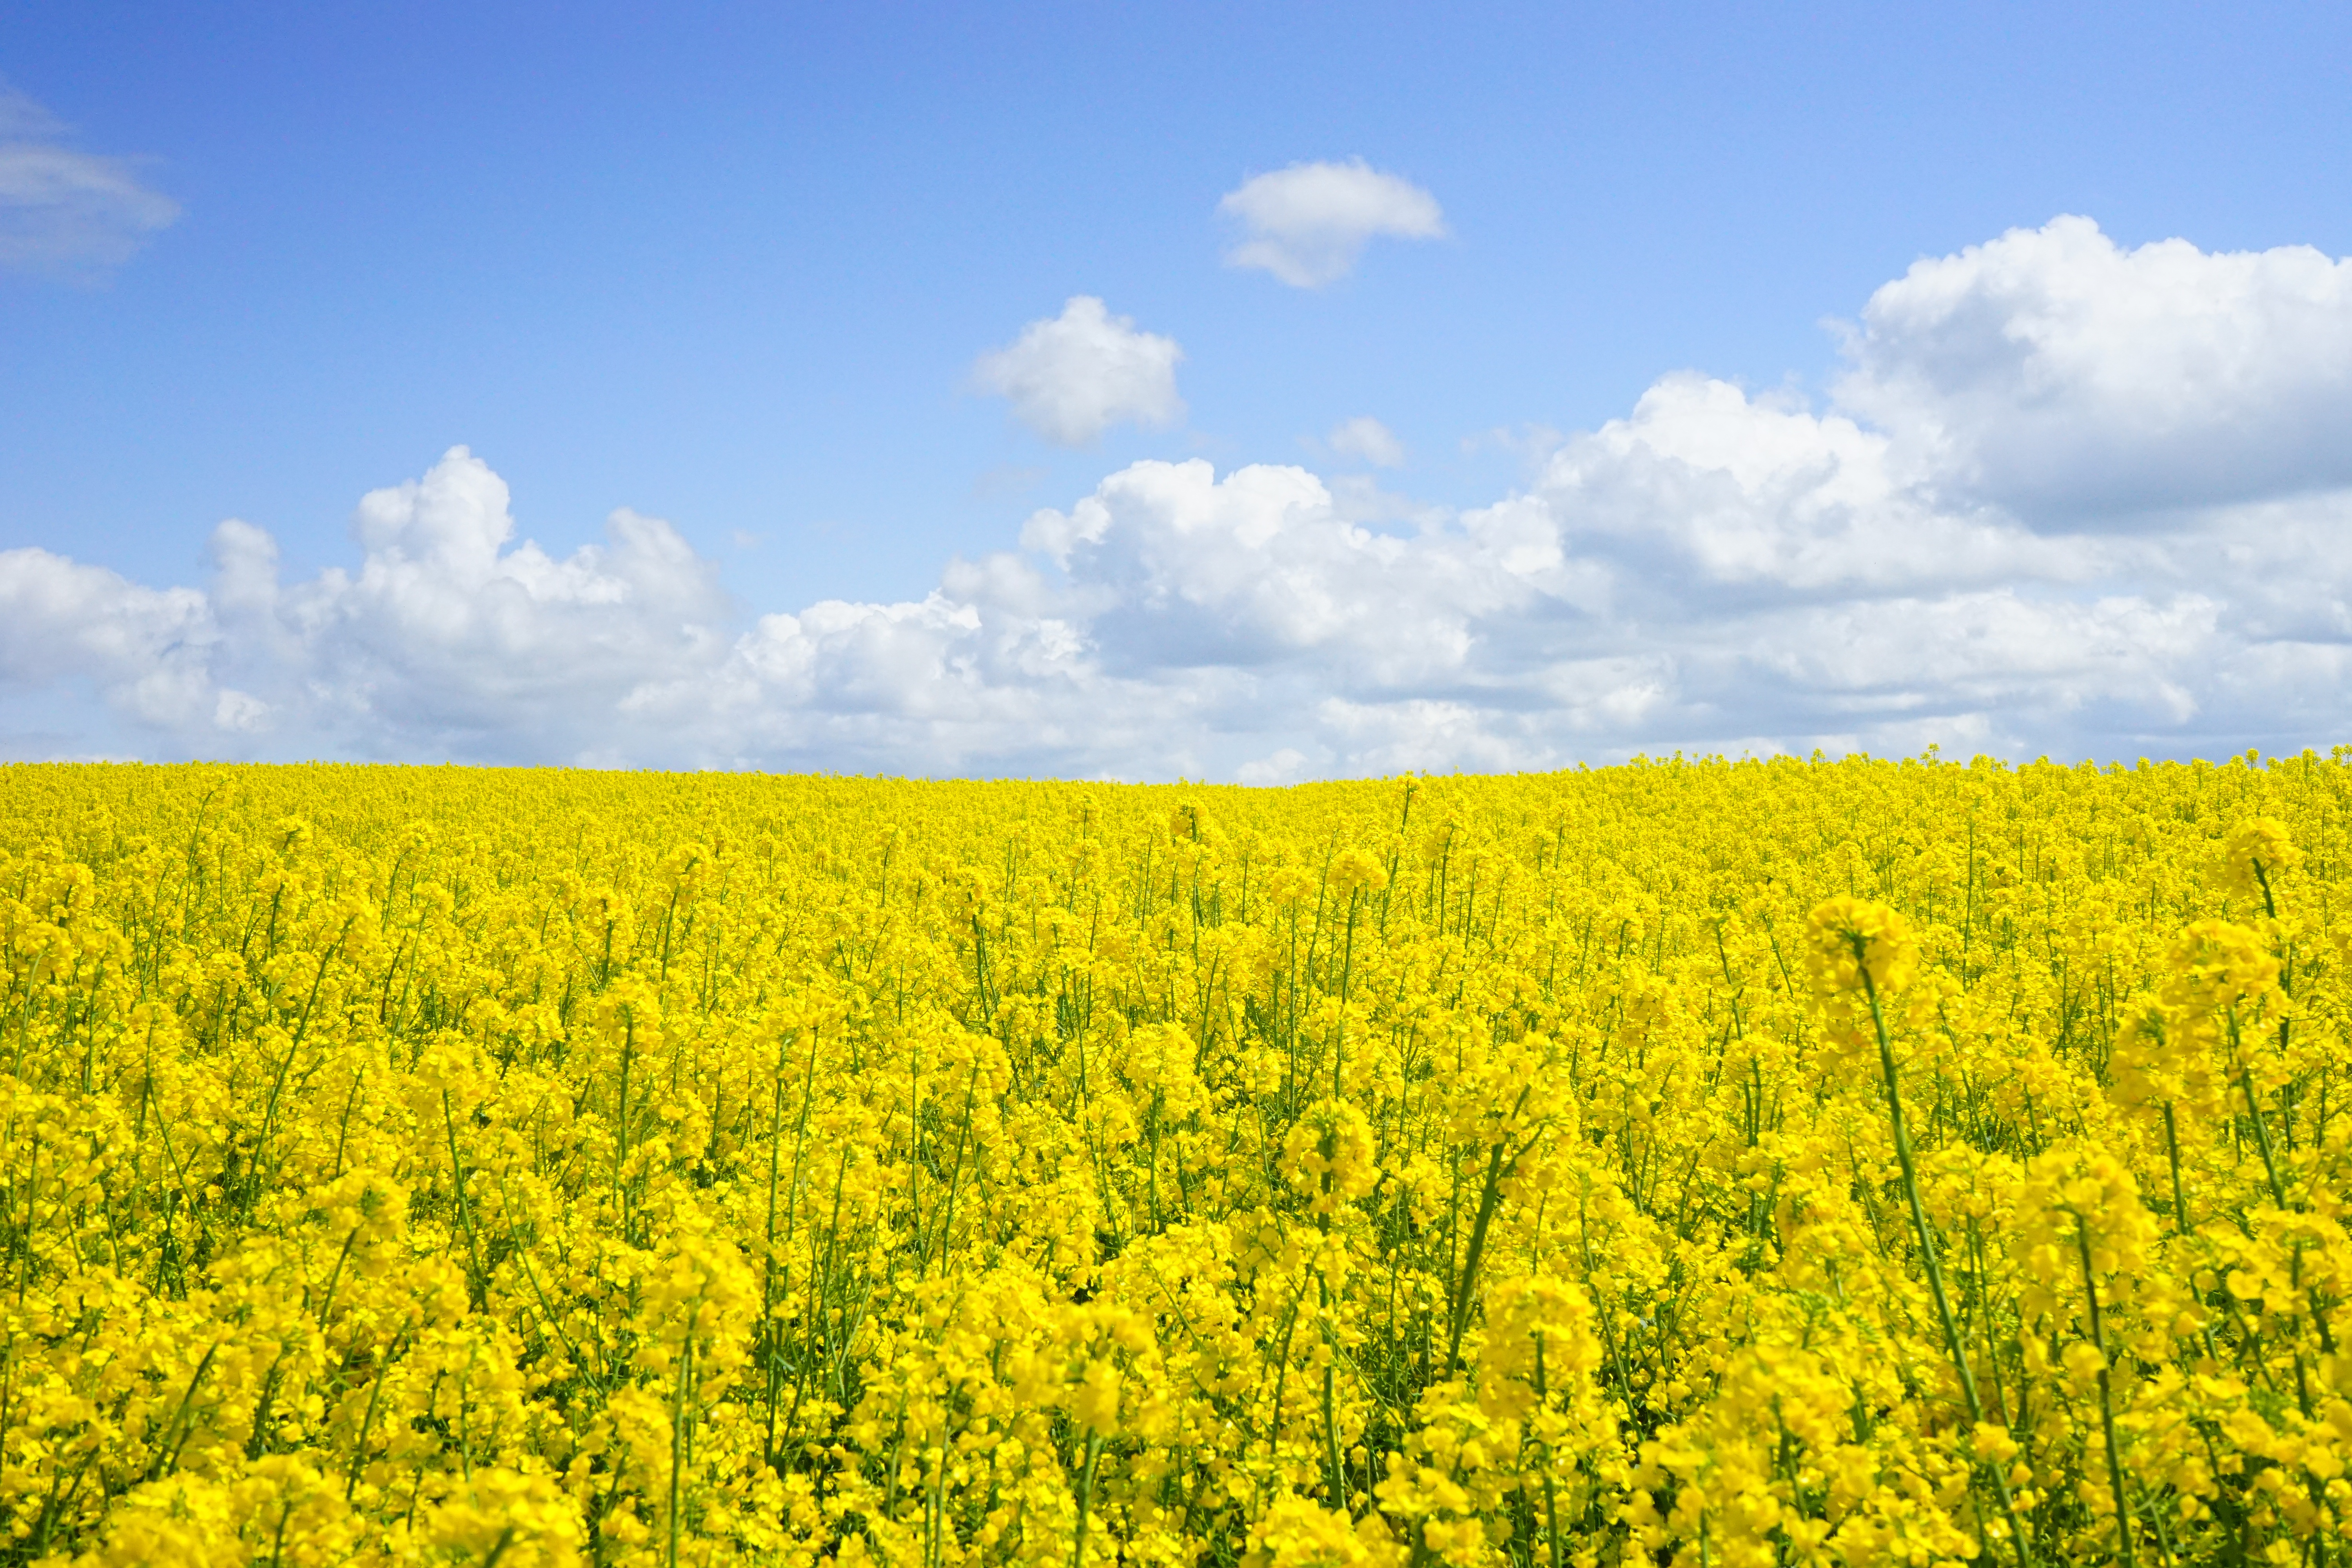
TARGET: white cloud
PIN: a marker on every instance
(1287, 765)
(63, 211)
(445, 642)
(147, 652)
(1308, 223)
(2059, 375)
(445, 633)
(1722, 494)
(1367, 438)
(1072, 377)
(1712, 572)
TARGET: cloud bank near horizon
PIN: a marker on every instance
(2067, 499)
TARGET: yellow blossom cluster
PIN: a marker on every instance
(1755, 1163)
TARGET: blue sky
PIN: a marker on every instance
(735, 269)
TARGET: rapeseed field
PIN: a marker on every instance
(1755, 1163)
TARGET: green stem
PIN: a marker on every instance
(1551, 1493)
(1337, 1478)
(678, 1427)
(1085, 1501)
(2106, 1401)
(1926, 1243)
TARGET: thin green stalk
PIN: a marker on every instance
(1336, 1476)
(1551, 1491)
(478, 1279)
(1926, 1242)
(2106, 1400)
(1346, 974)
(677, 1425)
(2172, 1153)
(2254, 1113)
(1488, 1196)
(1085, 1501)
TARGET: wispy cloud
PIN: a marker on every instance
(66, 212)
(1368, 440)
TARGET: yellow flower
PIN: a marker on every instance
(1847, 939)
(2255, 855)
(434, 1167)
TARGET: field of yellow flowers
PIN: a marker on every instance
(1705, 1163)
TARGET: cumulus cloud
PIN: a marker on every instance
(1073, 376)
(64, 211)
(1729, 498)
(1308, 223)
(2060, 375)
(1713, 571)
(447, 640)
(1366, 439)
(148, 652)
